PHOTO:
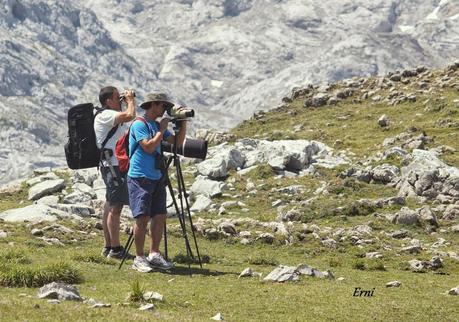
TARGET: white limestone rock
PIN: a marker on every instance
(45, 188)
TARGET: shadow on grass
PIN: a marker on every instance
(185, 270)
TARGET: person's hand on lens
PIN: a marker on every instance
(163, 124)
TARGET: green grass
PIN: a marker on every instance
(13, 200)
(25, 276)
(27, 262)
(215, 288)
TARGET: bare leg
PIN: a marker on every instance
(140, 228)
(113, 223)
(156, 232)
(105, 226)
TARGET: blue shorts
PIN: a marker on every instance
(146, 196)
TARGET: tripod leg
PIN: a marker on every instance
(165, 243)
(127, 247)
(180, 216)
(188, 211)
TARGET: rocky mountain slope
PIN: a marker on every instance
(226, 59)
(344, 184)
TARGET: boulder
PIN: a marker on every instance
(87, 176)
(59, 291)
(206, 187)
(317, 100)
(202, 203)
(32, 213)
(48, 200)
(383, 121)
(228, 228)
(266, 238)
(43, 177)
(282, 274)
(83, 187)
(290, 215)
(427, 176)
(384, 173)
(222, 159)
(451, 212)
(406, 216)
(45, 188)
(426, 216)
(78, 197)
(80, 210)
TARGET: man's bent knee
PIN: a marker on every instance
(116, 209)
(142, 221)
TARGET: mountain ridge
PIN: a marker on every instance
(224, 59)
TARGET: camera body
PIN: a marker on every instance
(178, 112)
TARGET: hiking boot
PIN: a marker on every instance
(158, 261)
(141, 265)
(118, 253)
(105, 251)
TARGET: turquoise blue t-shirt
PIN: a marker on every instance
(142, 164)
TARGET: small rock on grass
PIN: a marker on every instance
(454, 291)
(94, 304)
(37, 232)
(394, 284)
(249, 273)
(3, 234)
(217, 317)
(149, 296)
(59, 291)
(147, 307)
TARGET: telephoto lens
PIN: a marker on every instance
(191, 148)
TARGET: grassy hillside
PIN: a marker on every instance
(351, 125)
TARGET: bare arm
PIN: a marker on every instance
(150, 145)
(129, 114)
(180, 136)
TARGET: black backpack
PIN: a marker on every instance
(81, 150)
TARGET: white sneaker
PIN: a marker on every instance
(142, 265)
(158, 261)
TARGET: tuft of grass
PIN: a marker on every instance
(137, 291)
(92, 258)
(265, 260)
(14, 256)
(263, 171)
(359, 264)
(23, 276)
(377, 266)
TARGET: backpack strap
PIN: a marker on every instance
(109, 134)
(139, 118)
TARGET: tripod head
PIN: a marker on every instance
(177, 123)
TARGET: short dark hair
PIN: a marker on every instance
(106, 93)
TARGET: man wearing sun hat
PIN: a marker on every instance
(146, 185)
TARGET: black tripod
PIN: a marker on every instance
(184, 205)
